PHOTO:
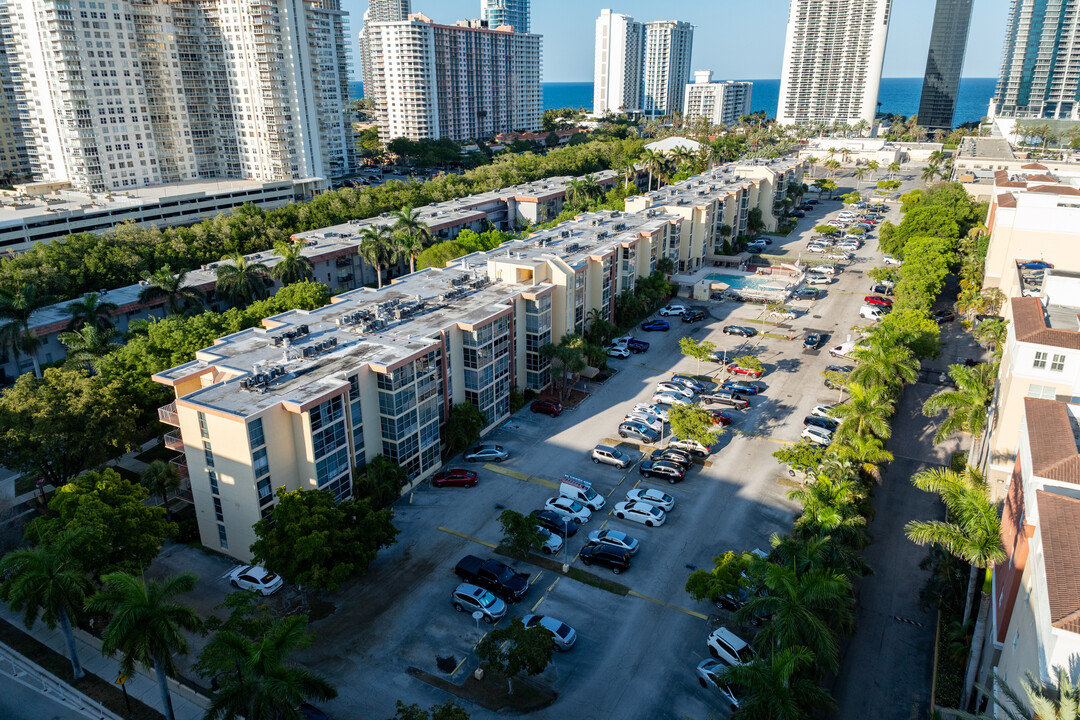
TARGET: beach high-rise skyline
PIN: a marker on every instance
(833, 55)
(666, 71)
(506, 12)
(944, 63)
(620, 53)
(1039, 77)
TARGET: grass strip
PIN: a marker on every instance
(490, 692)
(574, 573)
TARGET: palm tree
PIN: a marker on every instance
(146, 624)
(265, 686)
(91, 311)
(859, 173)
(966, 405)
(16, 306)
(812, 161)
(161, 478)
(894, 167)
(832, 166)
(410, 234)
(929, 173)
(868, 451)
(241, 282)
(890, 365)
(775, 687)
(866, 413)
(375, 242)
(653, 162)
(164, 284)
(798, 608)
(873, 166)
(88, 345)
(991, 335)
(293, 266)
(590, 187)
(1044, 700)
(46, 581)
(972, 529)
(574, 190)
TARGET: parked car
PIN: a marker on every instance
(640, 513)
(469, 598)
(563, 636)
(688, 382)
(807, 293)
(673, 456)
(822, 410)
(890, 260)
(455, 477)
(944, 316)
(826, 423)
(638, 431)
(690, 446)
(552, 543)
(650, 410)
(676, 388)
(742, 386)
(726, 397)
(673, 310)
(827, 269)
(496, 576)
(817, 435)
(669, 398)
(741, 330)
(877, 300)
(708, 674)
(729, 647)
(736, 369)
(610, 455)
(655, 325)
(871, 312)
(818, 280)
(619, 351)
(257, 578)
(812, 341)
(881, 288)
(636, 346)
(547, 407)
(651, 496)
(652, 422)
(662, 471)
(721, 417)
(487, 451)
(609, 556)
(616, 538)
(554, 522)
(693, 316)
(569, 509)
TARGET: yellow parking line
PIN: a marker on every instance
(521, 476)
(552, 585)
(755, 436)
(467, 537)
(688, 612)
(646, 597)
(537, 604)
(536, 578)
(661, 603)
(461, 663)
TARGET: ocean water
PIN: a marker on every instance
(897, 95)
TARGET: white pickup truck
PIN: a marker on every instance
(842, 350)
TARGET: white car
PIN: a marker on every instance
(257, 578)
(817, 248)
(653, 422)
(890, 260)
(653, 497)
(619, 351)
(639, 512)
(569, 509)
(615, 537)
(668, 398)
(650, 410)
(552, 542)
(673, 310)
(848, 247)
(818, 280)
(822, 410)
(621, 340)
(674, 388)
(691, 446)
(708, 672)
(729, 647)
(818, 435)
(826, 269)
(562, 635)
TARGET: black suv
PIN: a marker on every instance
(609, 556)
(671, 455)
(821, 422)
(662, 470)
(693, 316)
(553, 522)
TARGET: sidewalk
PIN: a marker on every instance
(141, 686)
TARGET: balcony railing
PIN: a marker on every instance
(167, 415)
(174, 441)
(180, 461)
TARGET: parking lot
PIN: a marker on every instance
(399, 614)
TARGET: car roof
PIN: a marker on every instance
(736, 643)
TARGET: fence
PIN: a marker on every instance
(28, 674)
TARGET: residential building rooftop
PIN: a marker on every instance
(1053, 430)
(1059, 520)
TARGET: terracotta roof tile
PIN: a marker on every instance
(1011, 184)
(1033, 166)
(1006, 200)
(1055, 189)
(1041, 177)
(1030, 326)
(1059, 528)
(1001, 176)
(1054, 454)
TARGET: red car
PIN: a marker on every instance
(720, 417)
(455, 477)
(735, 369)
(877, 300)
(548, 407)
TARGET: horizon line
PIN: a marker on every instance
(893, 77)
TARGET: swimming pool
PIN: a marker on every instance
(745, 282)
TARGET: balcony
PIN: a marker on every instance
(174, 441)
(167, 414)
(180, 461)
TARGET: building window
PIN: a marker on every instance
(218, 513)
(1058, 363)
(255, 433)
(259, 463)
(222, 537)
(1043, 392)
(203, 430)
(1040, 361)
(213, 482)
(208, 454)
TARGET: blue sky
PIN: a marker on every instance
(738, 40)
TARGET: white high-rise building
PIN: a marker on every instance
(378, 11)
(620, 55)
(506, 12)
(1040, 65)
(717, 102)
(143, 92)
(463, 81)
(668, 46)
(833, 52)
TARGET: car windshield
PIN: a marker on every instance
(563, 630)
(505, 573)
(485, 598)
(654, 511)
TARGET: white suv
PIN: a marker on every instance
(673, 310)
(729, 647)
(611, 455)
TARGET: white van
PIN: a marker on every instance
(870, 312)
(580, 490)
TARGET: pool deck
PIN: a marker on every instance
(776, 288)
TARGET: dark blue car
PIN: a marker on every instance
(637, 346)
(821, 422)
(1037, 265)
(651, 325)
(745, 388)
